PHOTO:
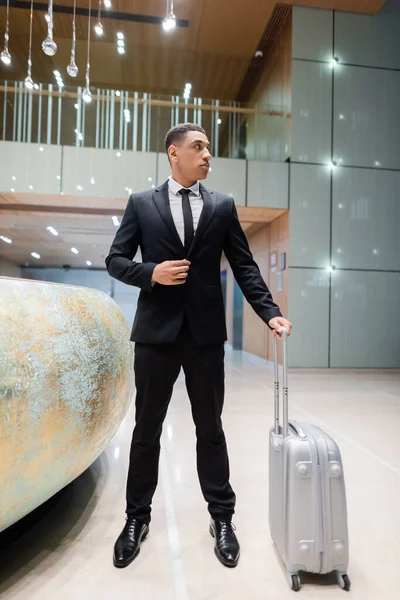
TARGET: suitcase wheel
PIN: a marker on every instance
(294, 582)
(343, 581)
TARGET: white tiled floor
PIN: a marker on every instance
(67, 552)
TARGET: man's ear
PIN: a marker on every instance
(172, 153)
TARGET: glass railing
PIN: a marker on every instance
(127, 120)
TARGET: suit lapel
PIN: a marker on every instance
(161, 200)
(207, 214)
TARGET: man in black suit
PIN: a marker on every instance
(182, 230)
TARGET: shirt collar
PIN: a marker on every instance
(174, 186)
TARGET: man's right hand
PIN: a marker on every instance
(171, 272)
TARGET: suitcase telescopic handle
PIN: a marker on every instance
(285, 424)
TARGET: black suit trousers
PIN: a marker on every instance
(157, 367)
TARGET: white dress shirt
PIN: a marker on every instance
(175, 202)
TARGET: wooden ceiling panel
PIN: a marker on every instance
(213, 52)
(233, 28)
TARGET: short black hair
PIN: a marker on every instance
(179, 132)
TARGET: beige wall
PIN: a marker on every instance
(8, 268)
(268, 238)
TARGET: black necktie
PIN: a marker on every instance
(187, 218)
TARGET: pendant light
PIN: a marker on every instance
(99, 27)
(49, 46)
(5, 55)
(169, 22)
(72, 68)
(86, 94)
(28, 78)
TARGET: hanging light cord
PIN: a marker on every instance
(73, 25)
(88, 48)
(99, 15)
(6, 35)
(30, 39)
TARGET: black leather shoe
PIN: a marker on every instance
(127, 546)
(226, 547)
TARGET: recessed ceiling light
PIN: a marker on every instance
(57, 73)
(121, 43)
(14, 178)
(76, 106)
(52, 230)
(35, 255)
(12, 190)
(80, 188)
(118, 154)
(31, 187)
(5, 239)
(41, 148)
(74, 250)
(107, 3)
(118, 93)
(121, 50)
(89, 264)
(92, 181)
(219, 121)
(120, 35)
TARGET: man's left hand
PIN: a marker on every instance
(277, 323)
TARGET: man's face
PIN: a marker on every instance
(191, 157)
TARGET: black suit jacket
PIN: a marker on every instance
(148, 224)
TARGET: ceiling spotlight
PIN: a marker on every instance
(118, 154)
(80, 188)
(121, 50)
(99, 29)
(120, 35)
(57, 73)
(188, 86)
(107, 3)
(89, 264)
(121, 43)
(74, 250)
(259, 54)
(219, 121)
(76, 106)
(118, 93)
(35, 255)
(92, 181)
(5, 239)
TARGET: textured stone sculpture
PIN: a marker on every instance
(66, 381)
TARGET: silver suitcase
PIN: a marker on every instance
(307, 496)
